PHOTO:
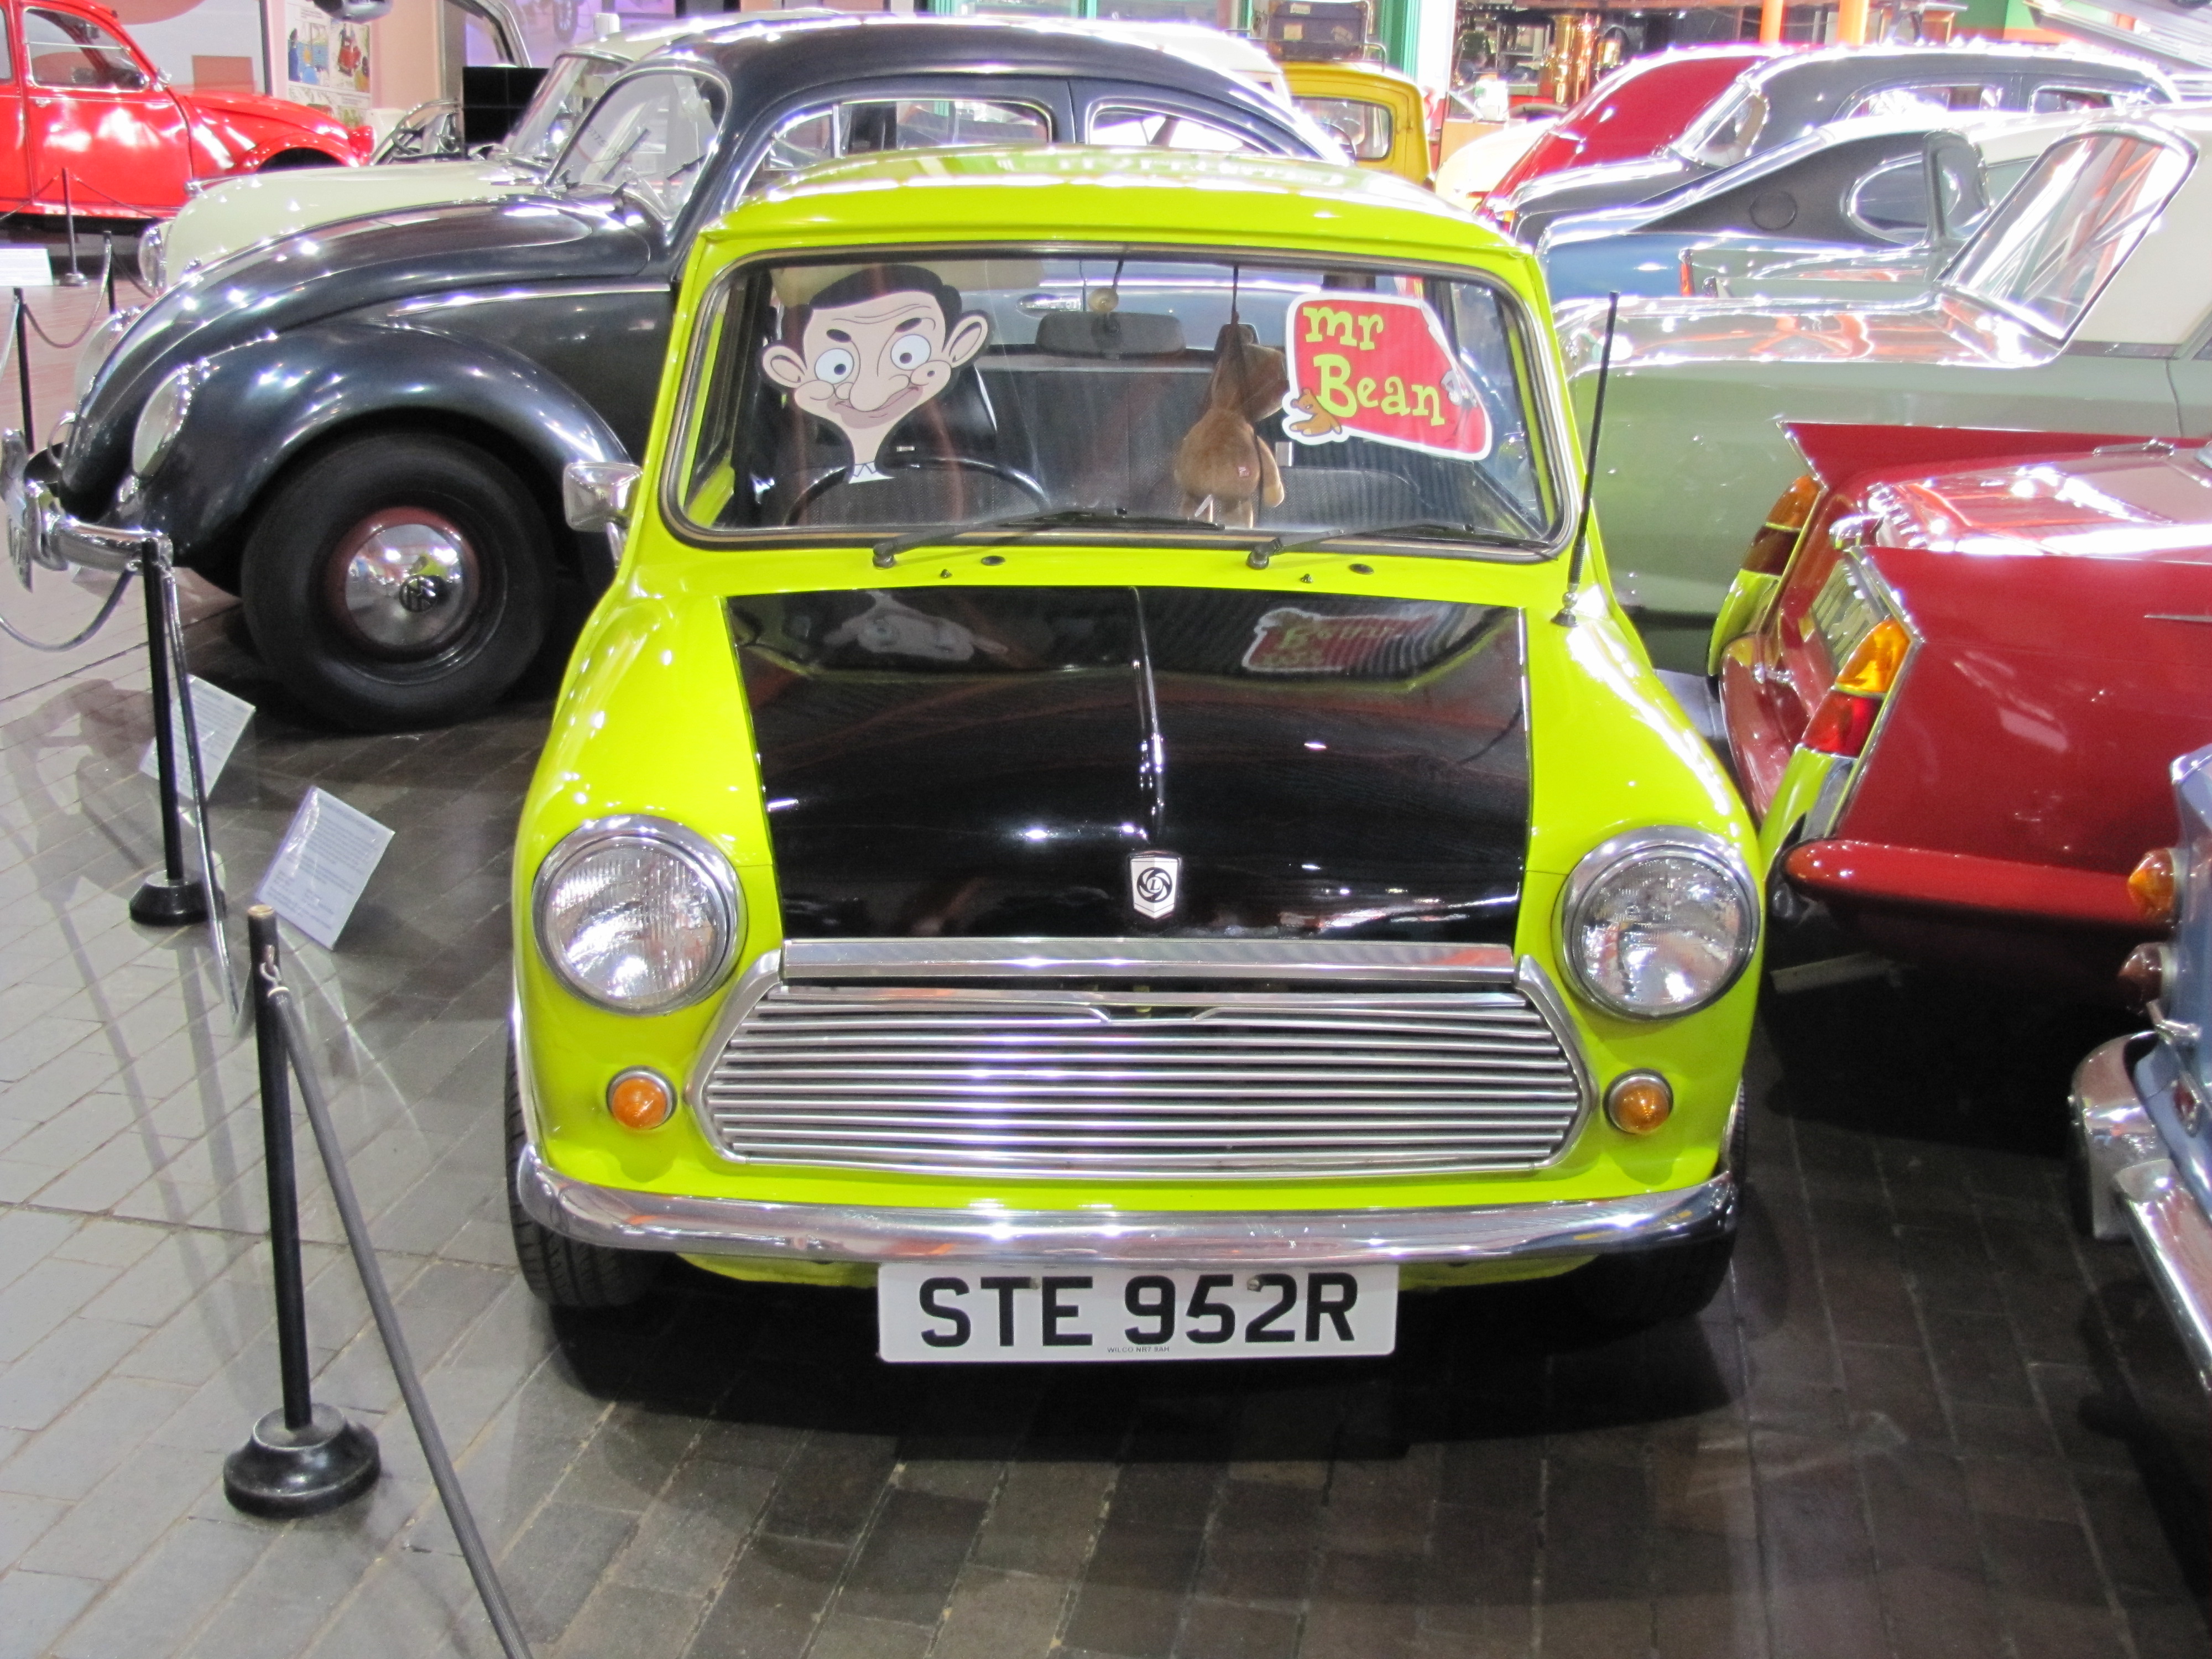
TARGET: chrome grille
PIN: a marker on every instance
(1122, 1080)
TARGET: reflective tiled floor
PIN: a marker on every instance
(1922, 1419)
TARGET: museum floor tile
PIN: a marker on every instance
(1921, 1419)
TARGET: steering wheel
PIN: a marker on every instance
(820, 487)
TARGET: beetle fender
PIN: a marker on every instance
(262, 404)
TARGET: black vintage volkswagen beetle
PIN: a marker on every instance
(361, 429)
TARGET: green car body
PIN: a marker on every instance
(2108, 338)
(657, 720)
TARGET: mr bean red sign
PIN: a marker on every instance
(1378, 366)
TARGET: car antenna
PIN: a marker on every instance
(1566, 617)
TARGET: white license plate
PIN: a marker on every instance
(933, 1312)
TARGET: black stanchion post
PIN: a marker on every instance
(23, 369)
(169, 897)
(107, 269)
(302, 1458)
(72, 277)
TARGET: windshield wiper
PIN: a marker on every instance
(1428, 529)
(888, 550)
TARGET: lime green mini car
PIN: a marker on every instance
(1093, 804)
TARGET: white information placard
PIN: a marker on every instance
(25, 267)
(221, 719)
(322, 864)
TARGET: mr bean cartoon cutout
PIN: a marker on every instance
(873, 347)
(1378, 366)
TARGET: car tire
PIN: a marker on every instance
(399, 580)
(1651, 1287)
(563, 1272)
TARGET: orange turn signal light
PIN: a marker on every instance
(2155, 886)
(640, 1099)
(1639, 1101)
(1873, 666)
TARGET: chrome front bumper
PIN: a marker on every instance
(40, 534)
(815, 1232)
(2133, 1193)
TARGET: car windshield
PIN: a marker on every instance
(1181, 393)
(569, 88)
(2049, 249)
(648, 139)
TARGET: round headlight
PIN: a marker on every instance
(1658, 922)
(637, 914)
(162, 418)
(151, 265)
(98, 346)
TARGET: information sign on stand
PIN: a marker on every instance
(322, 864)
(221, 719)
(25, 267)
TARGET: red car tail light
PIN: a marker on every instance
(1785, 521)
(1845, 719)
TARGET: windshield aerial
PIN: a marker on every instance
(1178, 393)
(562, 98)
(2055, 241)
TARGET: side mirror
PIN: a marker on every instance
(595, 494)
(355, 11)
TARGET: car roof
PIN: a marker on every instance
(1864, 63)
(1118, 195)
(825, 51)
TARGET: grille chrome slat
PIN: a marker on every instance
(1116, 1077)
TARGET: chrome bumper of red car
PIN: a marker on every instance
(2133, 1192)
(819, 1232)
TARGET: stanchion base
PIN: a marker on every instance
(284, 1474)
(71, 279)
(160, 902)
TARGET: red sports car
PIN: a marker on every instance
(85, 122)
(1951, 691)
(1643, 105)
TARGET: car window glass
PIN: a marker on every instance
(1363, 126)
(1962, 196)
(1891, 202)
(1729, 131)
(1015, 380)
(570, 87)
(2056, 101)
(1922, 100)
(648, 137)
(874, 125)
(7, 59)
(2003, 175)
(65, 50)
(1153, 129)
(2044, 254)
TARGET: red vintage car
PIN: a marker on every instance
(85, 122)
(1951, 691)
(1645, 104)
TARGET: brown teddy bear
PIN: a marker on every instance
(1224, 469)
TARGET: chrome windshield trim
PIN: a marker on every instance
(627, 1219)
(1364, 960)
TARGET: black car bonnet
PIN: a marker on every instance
(1001, 761)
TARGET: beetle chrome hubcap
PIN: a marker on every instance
(404, 583)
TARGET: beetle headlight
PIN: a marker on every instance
(637, 914)
(98, 346)
(162, 418)
(152, 266)
(1658, 922)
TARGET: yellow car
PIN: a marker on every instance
(1379, 113)
(1096, 803)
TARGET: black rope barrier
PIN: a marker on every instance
(277, 1014)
